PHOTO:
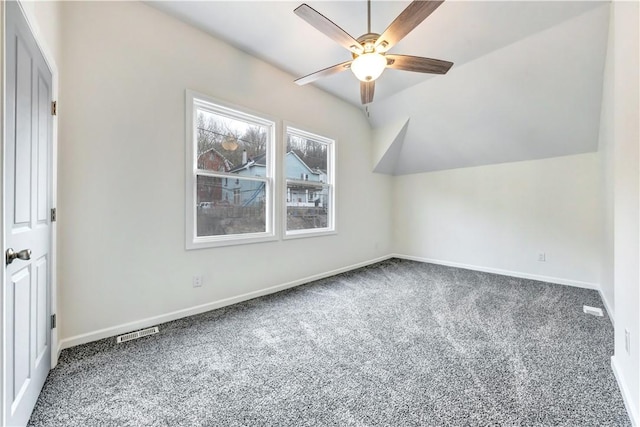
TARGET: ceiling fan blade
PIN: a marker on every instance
(418, 64)
(329, 71)
(410, 18)
(328, 28)
(366, 91)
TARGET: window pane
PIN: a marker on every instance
(306, 159)
(230, 145)
(307, 206)
(230, 206)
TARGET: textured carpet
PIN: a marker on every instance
(398, 343)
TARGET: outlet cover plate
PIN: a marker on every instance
(197, 281)
(627, 341)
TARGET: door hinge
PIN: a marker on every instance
(53, 321)
(54, 108)
(53, 215)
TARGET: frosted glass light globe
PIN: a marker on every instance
(368, 66)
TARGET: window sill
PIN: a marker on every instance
(300, 234)
(207, 242)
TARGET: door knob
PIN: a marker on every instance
(24, 254)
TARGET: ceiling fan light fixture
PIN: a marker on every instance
(368, 66)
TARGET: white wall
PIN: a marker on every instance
(121, 179)
(499, 217)
(623, 71)
(605, 148)
(45, 19)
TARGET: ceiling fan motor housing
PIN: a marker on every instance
(368, 43)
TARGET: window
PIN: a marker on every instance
(229, 175)
(308, 166)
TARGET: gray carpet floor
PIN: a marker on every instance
(399, 343)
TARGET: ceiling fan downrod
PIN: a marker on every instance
(368, 16)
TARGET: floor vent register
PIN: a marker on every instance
(592, 310)
(137, 334)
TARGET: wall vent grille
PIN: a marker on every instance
(592, 310)
(137, 334)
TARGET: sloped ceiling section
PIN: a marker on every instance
(387, 146)
(536, 98)
(526, 81)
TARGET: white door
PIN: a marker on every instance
(27, 166)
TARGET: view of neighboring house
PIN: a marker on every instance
(304, 187)
(246, 192)
(210, 189)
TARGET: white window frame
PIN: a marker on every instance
(330, 229)
(194, 101)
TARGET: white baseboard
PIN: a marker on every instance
(58, 351)
(547, 279)
(607, 306)
(55, 348)
(628, 403)
(178, 314)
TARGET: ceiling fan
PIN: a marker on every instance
(369, 51)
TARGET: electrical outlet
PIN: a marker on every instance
(542, 257)
(197, 281)
(627, 341)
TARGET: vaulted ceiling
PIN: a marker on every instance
(526, 81)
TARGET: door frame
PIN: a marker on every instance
(51, 64)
